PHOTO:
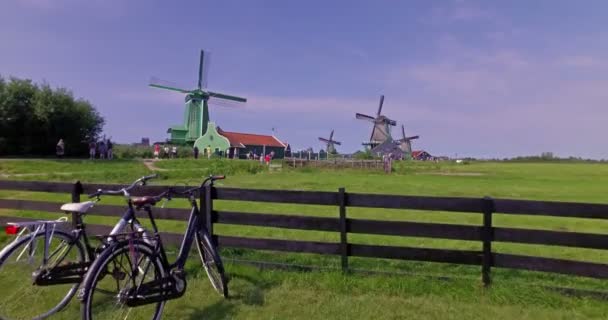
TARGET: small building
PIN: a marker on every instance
(242, 144)
(421, 155)
(388, 147)
(238, 145)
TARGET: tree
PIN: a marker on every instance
(34, 117)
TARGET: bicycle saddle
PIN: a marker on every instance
(142, 201)
(80, 207)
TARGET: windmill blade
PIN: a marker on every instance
(216, 95)
(411, 138)
(200, 70)
(403, 131)
(331, 135)
(371, 137)
(324, 140)
(162, 84)
(381, 103)
(337, 142)
(364, 117)
(225, 103)
(203, 69)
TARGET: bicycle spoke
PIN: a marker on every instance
(127, 269)
(17, 267)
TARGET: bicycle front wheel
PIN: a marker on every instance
(212, 262)
(20, 298)
(114, 279)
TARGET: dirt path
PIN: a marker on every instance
(149, 163)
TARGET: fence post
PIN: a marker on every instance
(343, 229)
(208, 213)
(76, 191)
(488, 237)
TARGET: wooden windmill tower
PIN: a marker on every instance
(196, 114)
(331, 143)
(405, 143)
(382, 124)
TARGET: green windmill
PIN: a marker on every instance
(196, 113)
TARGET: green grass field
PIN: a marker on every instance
(267, 294)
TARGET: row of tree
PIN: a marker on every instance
(33, 117)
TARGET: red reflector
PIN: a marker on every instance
(11, 229)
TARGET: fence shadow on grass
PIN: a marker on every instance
(223, 309)
(244, 289)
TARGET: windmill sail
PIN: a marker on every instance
(163, 84)
(216, 95)
(364, 117)
(380, 106)
(200, 70)
(203, 73)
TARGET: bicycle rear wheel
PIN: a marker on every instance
(20, 298)
(212, 262)
(114, 279)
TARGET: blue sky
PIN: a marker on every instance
(473, 78)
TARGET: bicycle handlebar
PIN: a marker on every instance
(167, 194)
(211, 178)
(141, 181)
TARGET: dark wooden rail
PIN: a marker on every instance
(340, 201)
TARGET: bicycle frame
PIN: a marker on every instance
(194, 225)
(127, 218)
(47, 228)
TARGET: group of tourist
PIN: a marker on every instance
(102, 148)
(263, 158)
(165, 152)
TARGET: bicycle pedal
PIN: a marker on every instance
(179, 273)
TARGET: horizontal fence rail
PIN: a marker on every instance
(342, 224)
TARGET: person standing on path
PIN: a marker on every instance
(92, 148)
(60, 149)
(174, 152)
(156, 151)
(110, 154)
(195, 152)
(102, 150)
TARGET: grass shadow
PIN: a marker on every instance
(220, 310)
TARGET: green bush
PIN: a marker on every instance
(124, 151)
(206, 166)
(364, 155)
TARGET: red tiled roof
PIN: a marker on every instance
(420, 153)
(242, 139)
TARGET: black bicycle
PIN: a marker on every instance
(43, 266)
(132, 278)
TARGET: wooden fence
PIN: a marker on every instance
(486, 233)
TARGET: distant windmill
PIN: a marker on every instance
(331, 143)
(381, 131)
(196, 115)
(405, 143)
